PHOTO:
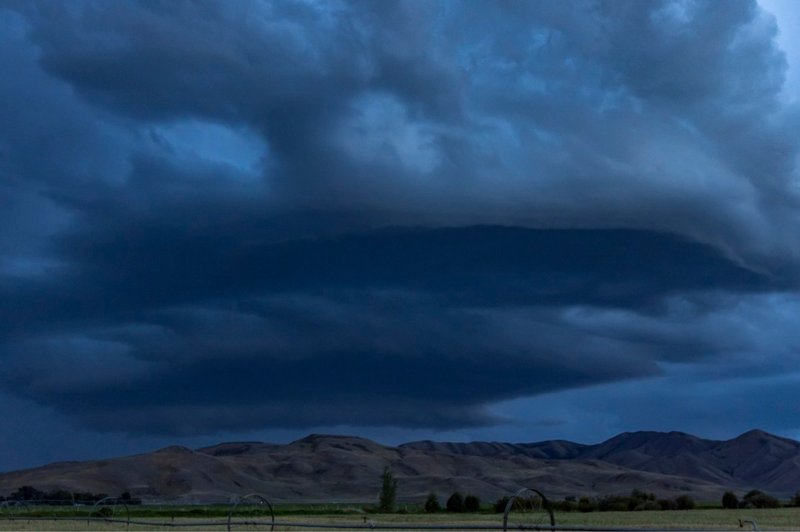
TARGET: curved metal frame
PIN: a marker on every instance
(16, 504)
(252, 496)
(113, 508)
(545, 505)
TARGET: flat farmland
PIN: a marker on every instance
(702, 519)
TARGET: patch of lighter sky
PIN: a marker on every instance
(215, 143)
(787, 15)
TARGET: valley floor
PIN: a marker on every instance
(710, 519)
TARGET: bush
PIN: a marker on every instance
(613, 503)
(650, 506)
(472, 503)
(500, 504)
(667, 504)
(565, 506)
(455, 503)
(684, 502)
(759, 499)
(796, 500)
(432, 503)
(585, 505)
(638, 498)
(730, 500)
(26, 493)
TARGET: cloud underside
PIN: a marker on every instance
(217, 217)
(410, 327)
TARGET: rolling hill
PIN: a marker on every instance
(341, 468)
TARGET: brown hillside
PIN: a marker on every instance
(342, 468)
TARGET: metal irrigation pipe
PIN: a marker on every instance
(545, 504)
(15, 504)
(251, 496)
(105, 502)
(368, 527)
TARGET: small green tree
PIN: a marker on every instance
(759, 499)
(730, 500)
(684, 502)
(455, 503)
(501, 503)
(667, 504)
(432, 503)
(472, 503)
(585, 504)
(567, 505)
(388, 491)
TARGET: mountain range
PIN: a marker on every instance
(327, 468)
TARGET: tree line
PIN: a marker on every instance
(31, 495)
(638, 500)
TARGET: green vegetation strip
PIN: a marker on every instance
(351, 526)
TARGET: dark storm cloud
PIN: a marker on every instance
(344, 329)
(229, 216)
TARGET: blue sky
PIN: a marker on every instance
(457, 221)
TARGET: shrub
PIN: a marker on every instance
(730, 500)
(667, 504)
(684, 502)
(455, 503)
(432, 503)
(650, 506)
(613, 503)
(565, 506)
(500, 504)
(472, 503)
(796, 500)
(585, 504)
(638, 498)
(759, 499)
(27, 493)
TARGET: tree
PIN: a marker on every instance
(684, 502)
(759, 499)
(639, 499)
(472, 503)
(567, 505)
(585, 504)
(501, 503)
(667, 504)
(59, 497)
(27, 493)
(796, 500)
(455, 503)
(730, 500)
(432, 503)
(388, 491)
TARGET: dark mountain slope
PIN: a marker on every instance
(754, 459)
(344, 468)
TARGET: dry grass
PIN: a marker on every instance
(712, 519)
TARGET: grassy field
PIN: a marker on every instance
(703, 519)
